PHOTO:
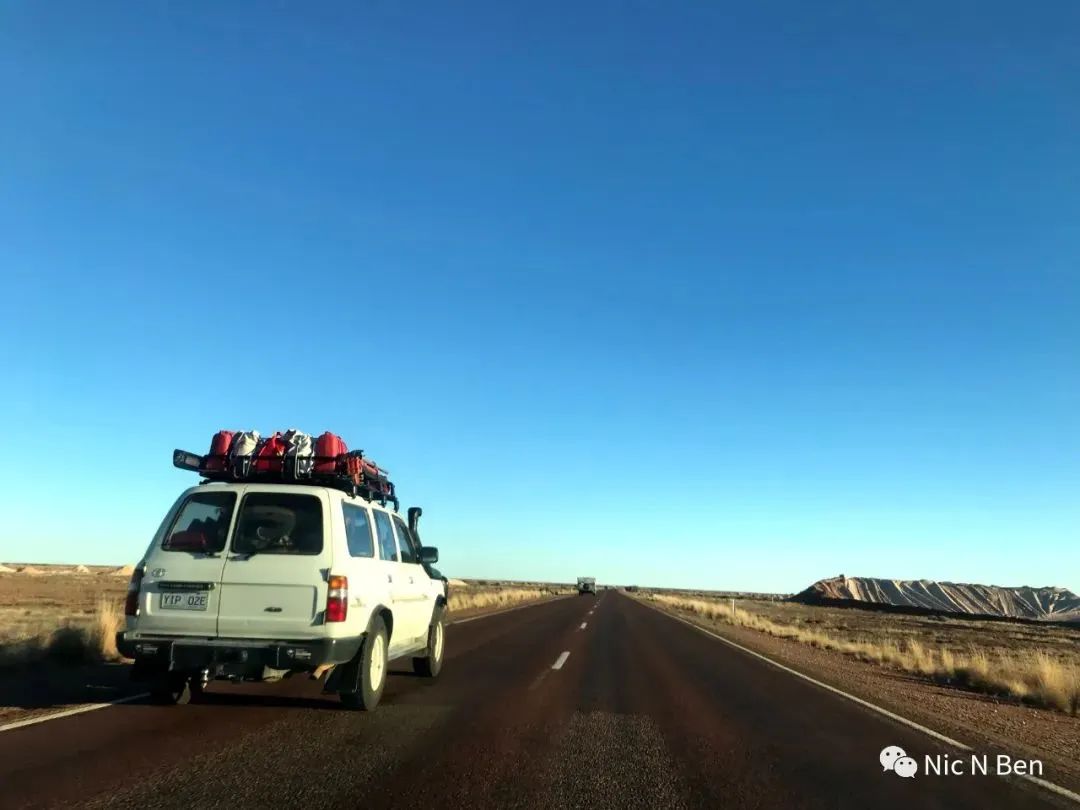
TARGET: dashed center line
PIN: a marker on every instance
(583, 625)
(561, 660)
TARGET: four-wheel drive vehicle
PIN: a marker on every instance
(586, 585)
(260, 581)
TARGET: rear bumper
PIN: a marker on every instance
(225, 657)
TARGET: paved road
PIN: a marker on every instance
(644, 712)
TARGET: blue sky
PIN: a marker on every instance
(704, 295)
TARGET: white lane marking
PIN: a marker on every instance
(583, 625)
(90, 707)
(95, 706)
(1043, 783)
(507, 610)
(561, 660)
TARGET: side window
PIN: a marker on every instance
(405, 542)
(387, 550)
(358, 530)
(201, 524)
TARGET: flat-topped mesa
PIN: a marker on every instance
(1024, 602)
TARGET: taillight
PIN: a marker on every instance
(131, 602)
(337, 599)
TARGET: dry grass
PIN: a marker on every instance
(1048, 676)
(483, 597)
(62, 617)
(70, 643)
(108, 619)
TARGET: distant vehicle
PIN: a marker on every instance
(586, 585)
(262, 572)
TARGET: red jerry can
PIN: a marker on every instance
(217, 458)
(328, 448)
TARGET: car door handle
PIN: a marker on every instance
(389, 577)
(411, 581)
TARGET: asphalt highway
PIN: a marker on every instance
(579, 702)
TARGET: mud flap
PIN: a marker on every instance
(345, 677)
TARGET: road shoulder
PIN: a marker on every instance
(983, 722)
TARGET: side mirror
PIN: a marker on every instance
(429, 555)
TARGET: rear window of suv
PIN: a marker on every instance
(202, 524)
(279, 523)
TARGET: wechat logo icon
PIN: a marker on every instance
(894, 758)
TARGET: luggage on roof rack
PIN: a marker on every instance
(270, 457)
(218, 457)
(300, 455)
(328, 448)
(368, 474)
(290, 459)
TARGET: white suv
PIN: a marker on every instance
(247, 581)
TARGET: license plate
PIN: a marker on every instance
(189, 600)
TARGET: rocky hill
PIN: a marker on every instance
(1043, 604)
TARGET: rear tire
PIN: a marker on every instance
(373, 661)
(431, 665)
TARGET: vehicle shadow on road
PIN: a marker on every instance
(223, 698)
(27, 691)
(404, 673)
(48, 685)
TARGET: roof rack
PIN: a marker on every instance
(349, 472)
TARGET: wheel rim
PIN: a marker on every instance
(378, 663)
(437, 642)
